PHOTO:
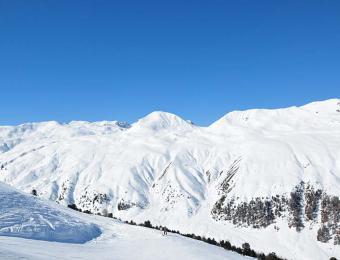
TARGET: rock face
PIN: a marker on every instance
(264, 170)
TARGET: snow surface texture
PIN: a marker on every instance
(171, 172)
(26, 216)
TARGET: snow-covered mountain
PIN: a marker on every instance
(267, 177)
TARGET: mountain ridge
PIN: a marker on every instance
(266, 172)
(315, 105)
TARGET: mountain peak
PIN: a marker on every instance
(159, 120)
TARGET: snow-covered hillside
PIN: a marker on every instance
(256, 175)
(41, 223)
(26, 216)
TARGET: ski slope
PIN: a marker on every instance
(119, 242)
(29, 229)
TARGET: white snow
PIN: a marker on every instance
(170, 169)
(48, 221)
(158, 120)
(26, 216)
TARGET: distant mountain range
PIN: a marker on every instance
(267, 177)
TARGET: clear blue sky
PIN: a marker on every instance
(106, 60)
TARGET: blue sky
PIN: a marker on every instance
(107, 60)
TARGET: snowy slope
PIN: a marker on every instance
(133, 244)
(24, 216)
(167, 170)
